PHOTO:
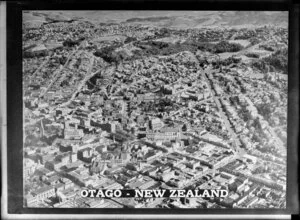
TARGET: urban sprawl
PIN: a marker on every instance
(125, 106)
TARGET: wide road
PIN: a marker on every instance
(82, 83)
(234, 137)
(40, 67)
(57, 73)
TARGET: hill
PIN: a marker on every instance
(172, 19)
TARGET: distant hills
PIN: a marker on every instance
(172, 19)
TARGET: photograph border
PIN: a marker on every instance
(14, 146)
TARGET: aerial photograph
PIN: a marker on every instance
(155, 100)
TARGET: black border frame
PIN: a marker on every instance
(15, 107)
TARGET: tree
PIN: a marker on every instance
(225, 46)
(129, 39)
(279, 60)
(71, 43)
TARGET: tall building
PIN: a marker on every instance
(156, 124)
